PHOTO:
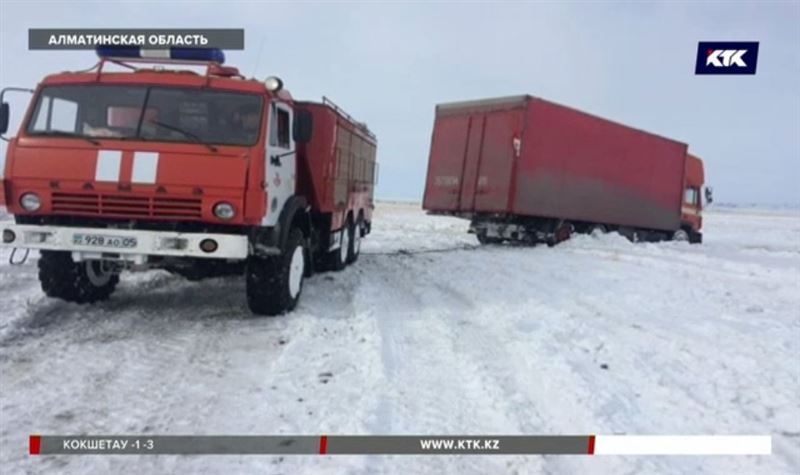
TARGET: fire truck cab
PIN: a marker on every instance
(199, 174)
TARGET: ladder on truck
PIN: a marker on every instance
(361, 125)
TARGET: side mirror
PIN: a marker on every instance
(4, 109)
(4, 112)
(709, 195)
(303, 126)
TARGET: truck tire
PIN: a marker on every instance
(337, 259)
(484, 239)
(680, 235)
(79, 282)
(274, 283)
(561, 233)
(355, 242)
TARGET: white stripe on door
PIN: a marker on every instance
(145, 166)
(108, 165)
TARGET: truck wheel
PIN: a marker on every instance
(680, 235)
(355, 242)
(274, 283)
(79, 282)
(562, 233)
(484, 239)
(337, 259)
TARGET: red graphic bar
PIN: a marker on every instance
(35, 444)
(323, 444)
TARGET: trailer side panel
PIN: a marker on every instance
(581, 167)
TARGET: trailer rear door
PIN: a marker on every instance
(501, 131)
(448, 146)
(472, 155)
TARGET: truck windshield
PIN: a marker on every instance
(168, 114)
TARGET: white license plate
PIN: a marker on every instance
(103, 240)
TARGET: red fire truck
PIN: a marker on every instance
(526, 169)
(201, 174)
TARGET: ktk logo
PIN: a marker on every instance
(726, 57)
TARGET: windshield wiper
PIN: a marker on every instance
(185, 133)
(62, 133)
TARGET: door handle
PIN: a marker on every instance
(276, 159)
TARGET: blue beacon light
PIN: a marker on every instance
(213, 55)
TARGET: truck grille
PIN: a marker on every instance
(126, 206)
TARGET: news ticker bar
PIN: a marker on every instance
(402, 445)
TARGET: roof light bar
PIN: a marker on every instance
(212, 55)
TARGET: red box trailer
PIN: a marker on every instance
(528, 169)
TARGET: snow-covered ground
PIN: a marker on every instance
(428, 334)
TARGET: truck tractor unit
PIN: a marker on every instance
(527, 170)
(185, 166)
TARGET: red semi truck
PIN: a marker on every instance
(525, 169)
(201, 174)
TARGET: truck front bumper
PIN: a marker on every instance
(124, 244)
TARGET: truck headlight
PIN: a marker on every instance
(30, 201)
(223, 210)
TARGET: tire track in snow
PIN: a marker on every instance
(516, 373)
(447, 393)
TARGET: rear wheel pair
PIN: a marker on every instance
(350, 246)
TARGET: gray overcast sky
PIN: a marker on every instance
(389, 64)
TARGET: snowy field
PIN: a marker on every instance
(428, 334)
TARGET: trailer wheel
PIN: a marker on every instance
(562, 233)
(355, 242)
(79, 282)
(484, 239)
(274, 283)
